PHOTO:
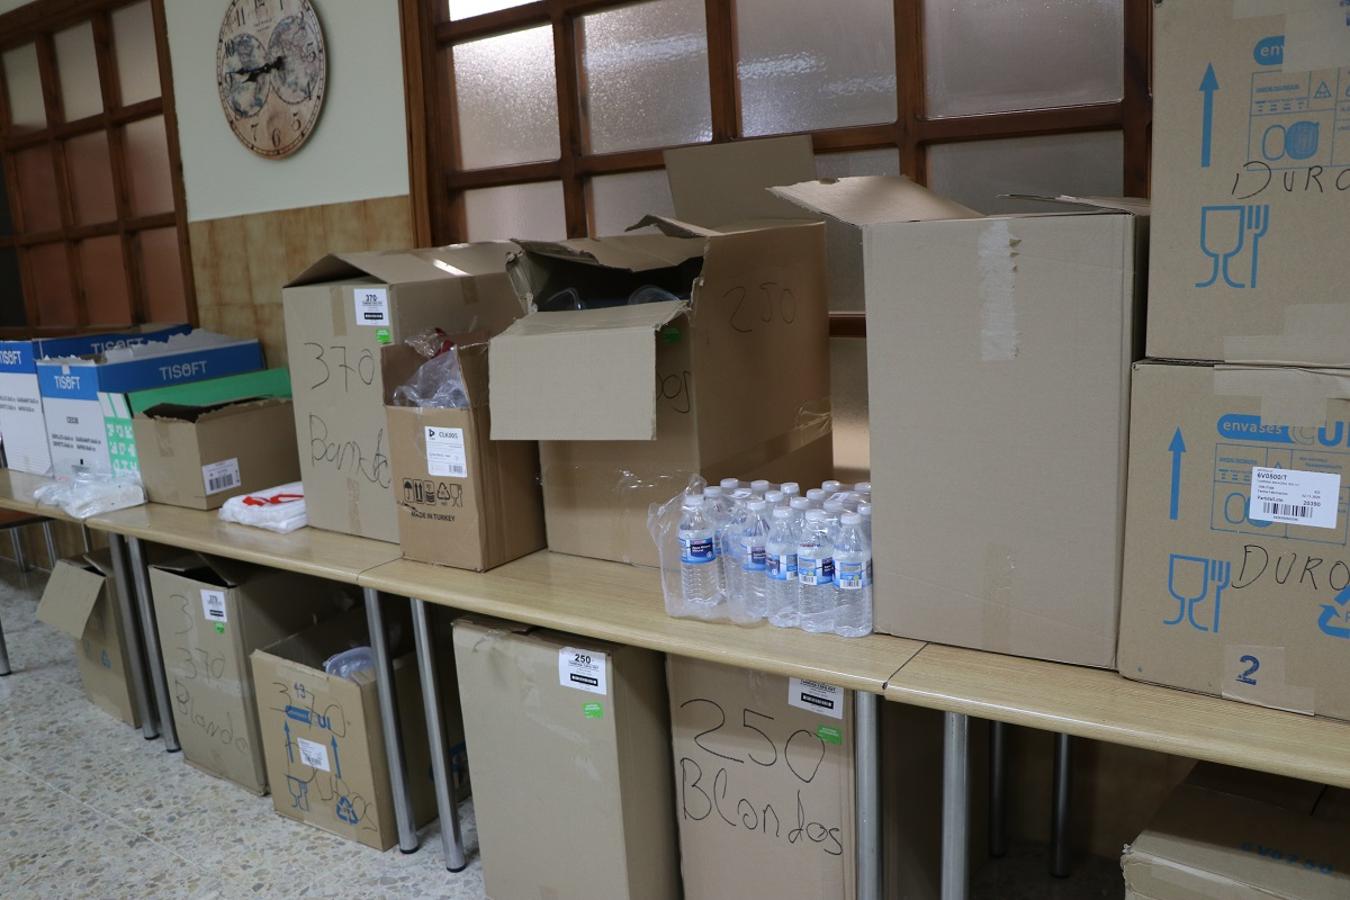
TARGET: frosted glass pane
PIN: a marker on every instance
(507, 98)
(147, 151)
(858, 162)
(646, 75)
(90, 169)
(105, 281)
(12, 311)
(77, 70)
(848, 389)
(516, 211)
(995, 55)
(26, 111)
(465, 9)
(134, 46)
(975, 173)
(38, 199)
(619, 201)
(806, 64)
(162, 275)
(50, 268)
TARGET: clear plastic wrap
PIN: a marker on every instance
(663, 523)
(90, 493)
(439, 382)
(280, 509)
(349, 662)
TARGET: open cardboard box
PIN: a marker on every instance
(731, 379)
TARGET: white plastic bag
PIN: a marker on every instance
(280, 509)
(89, 493)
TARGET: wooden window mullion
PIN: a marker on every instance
(11, 175)
(1136, 101)
(106, 56)
(51, 99)
(723, 87)
(910, 96)
(180, 210)
(569, 118)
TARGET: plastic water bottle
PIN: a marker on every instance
(834, 512)
(864, 488)
(850, 499)
(698, 557)
(780, 554)
(817, 496)
(729, 485)
(831, 486)
(815, 574)
(729, 540)
(775, 499)
(791, 489)
(759, 487)
(853, 579)
(718, 510)
(865, 510)
(753, 603)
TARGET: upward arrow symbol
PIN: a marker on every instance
(1176, 448)
(1208, 85)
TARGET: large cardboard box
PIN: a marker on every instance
(1232, 834)
(81, 600)
(87, 400)
(998, 376)
(764, 783)
(22, 425)
(212, 613)
(322, 736)
(569, 746)
(340, 313)
(464, 500)
(732, 379)
(1237, 548)
(1251, 182)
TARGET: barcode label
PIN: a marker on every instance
(221, 476)
(446, 457)
(213, 606)
(372, 306)
(1295, 497)
(313, 754)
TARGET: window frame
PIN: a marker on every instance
(37, 23)
(438, 181)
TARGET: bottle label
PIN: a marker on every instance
(815, 572)
(782, 566)
(697, 550)
(853, 575)
(754, 558)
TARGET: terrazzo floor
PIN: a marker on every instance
(88, 808)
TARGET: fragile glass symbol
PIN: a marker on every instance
(1208, 572)
(1225, 232)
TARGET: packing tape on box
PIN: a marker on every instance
(996, 614)
(814, 421)
(1313, 332)
(999, 337)
(339, 298)
(1288, 396)
(1257, 674)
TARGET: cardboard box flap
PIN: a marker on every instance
(631, 252)
(714, 185)
(873, 200)
(673, 227)
(222, 572)
(189, 412)
(391, 267)
(1136, 206)
(70, 595)
(546, 384)
(467, 260)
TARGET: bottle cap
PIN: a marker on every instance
(781, 512)
(833, 506)
(757, 506)
(864, 509)
(712, 490)
(740, 493)
(759, 485)
(692, 502)
(774, 497)
(830, 486)
(730, 484)
(800, 503)
(817, 495)
(863, 487)
(791, 488)
(851, 519)
(815, 515)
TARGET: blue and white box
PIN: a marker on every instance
(22, 426)
(85, 399)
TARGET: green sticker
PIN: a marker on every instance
(382, 335)
(220, 628)
(593, 710)
(829, 735)
(670, 334)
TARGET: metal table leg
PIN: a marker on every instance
(16, 545)
(153, 656)
(998, 789)
(4, 654)
(139, 691)
(1060, 864)
(393, 735)
(87, 538)
(49, 537)
(451, 840)
(955, 806)
(866, 763)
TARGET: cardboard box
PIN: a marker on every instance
(1251, 182)
(1231, 833)
(323, 739)
(569, 747)
(1223, 592)
(764, 783)
(86, 400)
(200, 454)
(340, 313)
(22, 425)
(999, 371)
(464, 500)
(629, 401)
(81, 600)
(212, 613)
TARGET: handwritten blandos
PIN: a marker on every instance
(764, 787)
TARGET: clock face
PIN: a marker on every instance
(271, 69)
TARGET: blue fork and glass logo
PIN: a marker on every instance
(1230, 236)
(1197, 584)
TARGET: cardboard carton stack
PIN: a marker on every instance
(1237, 564)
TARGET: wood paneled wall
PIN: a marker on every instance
(241, 263)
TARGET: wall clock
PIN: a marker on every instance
(271, 69)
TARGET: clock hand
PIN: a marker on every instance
(252, 75)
